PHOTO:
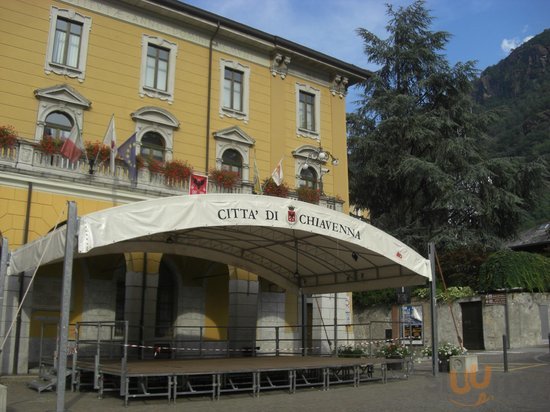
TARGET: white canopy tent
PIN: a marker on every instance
(293, 244)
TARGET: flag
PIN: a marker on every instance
(257, 184)
(110, 140)
(127, 152)
(277, 174)
(73, 146)
(198, 184)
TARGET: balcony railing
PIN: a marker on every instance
(27, 157)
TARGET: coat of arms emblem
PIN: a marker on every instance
(291, 215)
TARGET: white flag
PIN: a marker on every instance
(110, 140)
(277, 174)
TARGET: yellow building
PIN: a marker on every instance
(191, 88)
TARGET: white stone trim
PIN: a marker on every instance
(61, 98)
(225, 111)
(154, 119)
(234, 138)
(51, 67)
(300, 156)
(144, 90)
(300, 132)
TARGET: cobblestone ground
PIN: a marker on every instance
(525, 387)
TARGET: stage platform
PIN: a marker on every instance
(171, 378)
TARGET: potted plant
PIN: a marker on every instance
(224, 178)
(97, 151)
(176, 171)
(349, 351)
(270, 188)
(8, 137)
(155, 166)
(308, 194)
(50, 145)
(444, 352)
(394, 350)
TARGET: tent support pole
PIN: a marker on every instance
(433, 310)
(66, 306)
(336, 324)
(304, 323)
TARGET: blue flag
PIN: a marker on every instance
(127, 151)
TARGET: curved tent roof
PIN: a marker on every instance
(293, 244)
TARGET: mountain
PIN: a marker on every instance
(517, 90)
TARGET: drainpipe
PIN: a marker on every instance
(209, 98)
(22, 282)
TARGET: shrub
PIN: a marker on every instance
(155, 166)
(507, 269)
(394, 350)
(445, 350)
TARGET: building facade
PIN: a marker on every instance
(186, 91)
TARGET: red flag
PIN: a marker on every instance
(198, 184)
(73, 146)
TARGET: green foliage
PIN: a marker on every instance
(386, 297)
(450, 295)
(507, 269)
(416, 146)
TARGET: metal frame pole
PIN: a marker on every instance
(66, 305)
(433, 307)
(3, 268)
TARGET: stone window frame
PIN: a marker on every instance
(226, 111)
(234, 138)
(78, 72)
(301, 132)
(168, 94)
(61, 98)
(157, 120)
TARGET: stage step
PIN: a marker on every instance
(47, 382)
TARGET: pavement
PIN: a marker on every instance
(524, 387)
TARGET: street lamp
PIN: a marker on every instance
(320, 157)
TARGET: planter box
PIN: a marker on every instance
(464, 364)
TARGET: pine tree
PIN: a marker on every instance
(416, 144)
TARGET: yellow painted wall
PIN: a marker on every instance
(112, 85)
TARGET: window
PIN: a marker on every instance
(60, 108)
(308, 177)
(234, 90)
(158, 68)
(58, 125)
(233, 151)
(156, 75)
(67, 43)
(233, 161)
(308, 113)
(152, 146)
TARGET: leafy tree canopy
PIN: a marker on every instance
(415, 145)
(507, 269)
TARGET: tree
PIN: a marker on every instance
(415, 144)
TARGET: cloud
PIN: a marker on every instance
(507, 45)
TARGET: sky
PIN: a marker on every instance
(481, 30)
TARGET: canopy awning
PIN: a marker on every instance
(293, 244)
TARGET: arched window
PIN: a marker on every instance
(58, 125)
(152, 146)
(232, 160)
(308, 177)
